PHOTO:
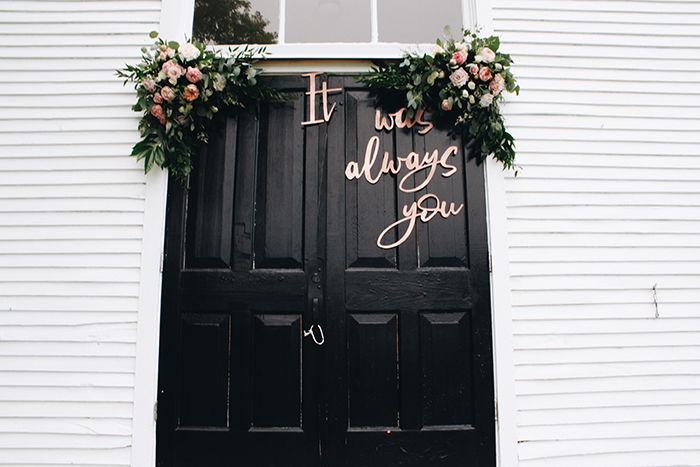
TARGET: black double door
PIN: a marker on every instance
(289, 338)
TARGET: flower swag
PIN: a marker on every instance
(179, 90)
(462, 83)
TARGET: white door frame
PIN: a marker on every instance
(176, 23)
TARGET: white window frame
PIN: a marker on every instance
(176, 23)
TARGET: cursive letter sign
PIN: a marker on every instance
(419, 210)
(327, 112)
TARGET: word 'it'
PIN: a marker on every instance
(312, 93)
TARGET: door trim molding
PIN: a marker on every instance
(175, 22)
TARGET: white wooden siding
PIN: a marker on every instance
(607, 205)
(71, 227)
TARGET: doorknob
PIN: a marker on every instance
(315, 317)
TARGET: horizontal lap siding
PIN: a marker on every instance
(71, 227)
(606, 206)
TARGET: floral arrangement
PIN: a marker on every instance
(461, 81)
(179, 90)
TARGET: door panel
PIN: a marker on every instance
(238, 297)
(270, 239)
(400, 329)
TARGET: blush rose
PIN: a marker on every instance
(193, 74)
(459, 77)
(485, 73)
(496, 86)
(459, 56)
(157, 111)
(190, 93)
(149, 85)
(167, 93)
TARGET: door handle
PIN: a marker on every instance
(315, 317)
(311, 333)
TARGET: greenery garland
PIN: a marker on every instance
(179, 90)
(462, 82)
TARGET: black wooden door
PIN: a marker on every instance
(271, 239)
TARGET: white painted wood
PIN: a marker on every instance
(605, 207)
(73, 256)
(175, 22)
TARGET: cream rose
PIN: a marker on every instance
(474, 69)
(486, 100)
(446, 105)
(459, 77)
(485, 55)
(219, 83)
(188, 52)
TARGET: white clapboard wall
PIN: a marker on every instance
(71, 223)
(606, 206)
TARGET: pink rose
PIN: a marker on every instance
(167, 93)
(474, 69)
(485, 73)
(459, 77)
(157, 111)
(485, 55)
(149, 85)
(190, 93)
(193, 74)
(172, 70)
(460, 56)
(446, 105)
(496, 86)
(166, 53)
(157, 98)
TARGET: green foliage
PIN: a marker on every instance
(463, 83)
(180, 89)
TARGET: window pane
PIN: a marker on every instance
(328, 21)
(418, 22)
(236, 21)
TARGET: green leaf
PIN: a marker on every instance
(153, 34)
(174, 45)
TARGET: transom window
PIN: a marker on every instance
(326, 21)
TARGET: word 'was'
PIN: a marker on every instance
(400, 119)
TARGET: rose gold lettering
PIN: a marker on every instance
(312, 92)
(400, 119)
(421, 211)
(381, 122)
